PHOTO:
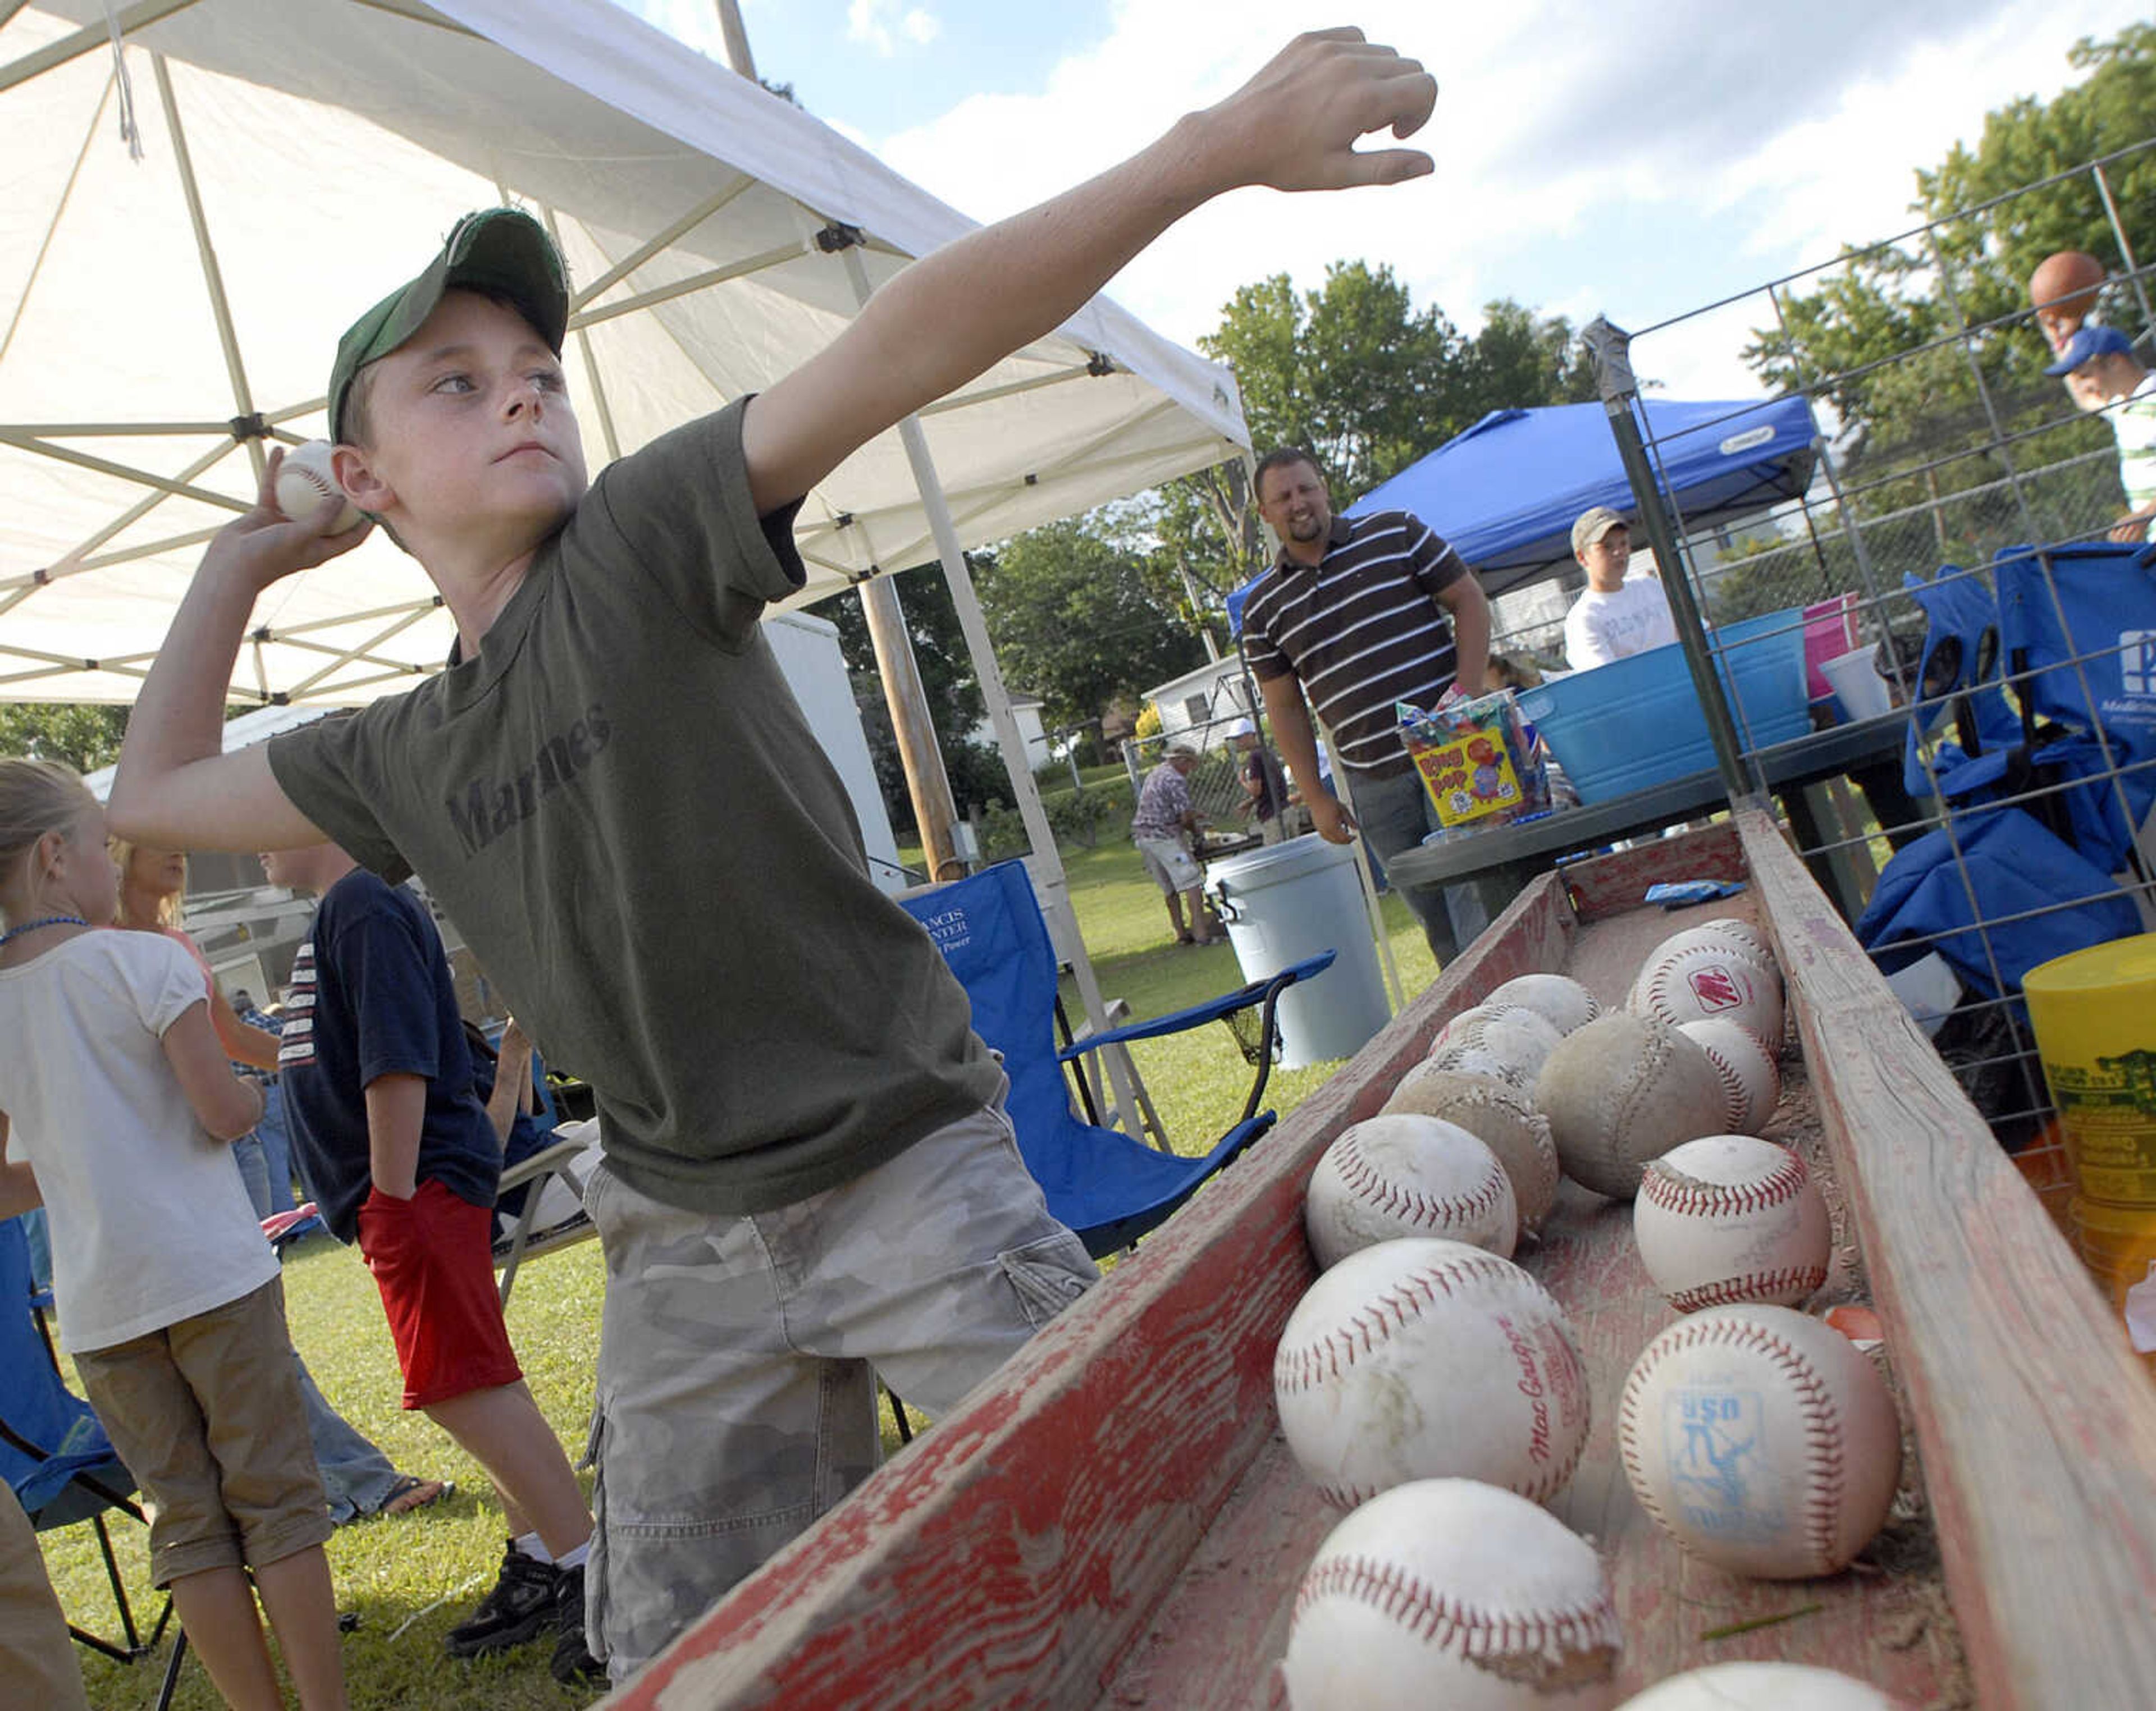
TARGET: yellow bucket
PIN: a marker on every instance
(2095, 1016)
(2118, 1245)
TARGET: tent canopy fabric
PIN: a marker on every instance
(302, 157)
(1505, 493)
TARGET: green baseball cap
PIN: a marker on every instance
(502, 251)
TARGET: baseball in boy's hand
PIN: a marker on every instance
(305, 480)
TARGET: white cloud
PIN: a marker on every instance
(1751, 139)
(878, 24)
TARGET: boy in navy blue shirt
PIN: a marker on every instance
(405, 1159)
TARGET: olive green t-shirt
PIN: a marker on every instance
(620, 805)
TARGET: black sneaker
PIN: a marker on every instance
(573, 1661)
(519, 1610)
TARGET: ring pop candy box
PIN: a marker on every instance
(1476, 761)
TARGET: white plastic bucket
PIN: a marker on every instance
(1294, 900)
(1857, 685)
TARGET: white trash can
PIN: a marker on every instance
(1294, 900)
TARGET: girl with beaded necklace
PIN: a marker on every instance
(117, 1110)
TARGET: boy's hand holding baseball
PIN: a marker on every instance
(264, 545)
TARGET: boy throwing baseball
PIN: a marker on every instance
(809, 1177)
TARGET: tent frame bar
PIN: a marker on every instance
(86, 40)
(644, 252)
(220, 306)
(695, 282)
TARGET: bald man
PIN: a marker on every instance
(2063, 292)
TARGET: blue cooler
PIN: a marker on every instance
(1636, 722)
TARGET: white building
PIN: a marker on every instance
(1199, 705)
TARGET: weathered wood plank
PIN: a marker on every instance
(1012, 1553)
(2038, 1427)
(1616, 884)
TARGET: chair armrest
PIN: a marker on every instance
(553, 1158)
(1199, 1014)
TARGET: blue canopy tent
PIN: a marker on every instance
(1505, 492)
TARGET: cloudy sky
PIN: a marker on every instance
(1634, 157)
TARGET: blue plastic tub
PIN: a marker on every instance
(1636, 722)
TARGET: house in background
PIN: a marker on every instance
(1026, 710)
(1199, 706)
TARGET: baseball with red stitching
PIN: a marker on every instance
(1761, 1687)
(1622, 1091)
(305, 481)
(1761, 1441)
(1448, 1592)
(1499, 1115)
(1727, 929)
(1730, 1218)
(1697, 982)
(1387, 1177)
(1749, 1076)
(1424, 1359)
(1558, 999)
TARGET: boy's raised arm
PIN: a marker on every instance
(175, 787)
(954, 313)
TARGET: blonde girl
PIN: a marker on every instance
(117, 1109)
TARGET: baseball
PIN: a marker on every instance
(1448, 1592)
(1499, 1116)
(1403, 1176)
(1423, 1359)
(1478, 1057)
(1749, 1077)
(1727, 929)
(1622, 1091)
(1559, 1000)
(305, 479)
(1760, 1441)
(1509, 1034)
(1728, 1218)
(1760, 1687)
(1695, 982)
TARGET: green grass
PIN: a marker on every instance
(409, 1580)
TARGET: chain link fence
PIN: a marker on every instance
(1958, 523)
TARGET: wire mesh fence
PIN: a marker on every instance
(1964, 567)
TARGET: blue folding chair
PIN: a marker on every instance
(1107, 1187)
(55, 1456)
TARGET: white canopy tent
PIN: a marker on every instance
(160, 315)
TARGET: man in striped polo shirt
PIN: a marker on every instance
(1360, 613)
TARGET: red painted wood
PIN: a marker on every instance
(1617, 883)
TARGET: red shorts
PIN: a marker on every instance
(433, 1260)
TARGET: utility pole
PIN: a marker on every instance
(927, 785)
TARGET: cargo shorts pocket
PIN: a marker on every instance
(1048, 1275)
(598, 1561)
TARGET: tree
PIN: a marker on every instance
(1355, 374)
(83, 735)
(953, 697)
(1350, 371)
(1520, 360)
(1082, 616)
